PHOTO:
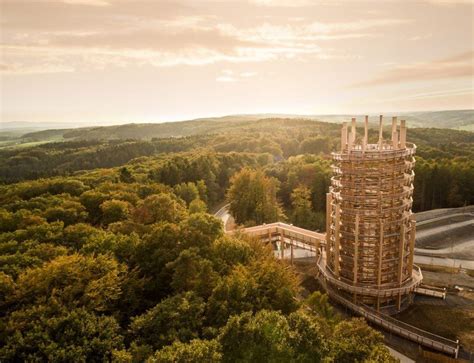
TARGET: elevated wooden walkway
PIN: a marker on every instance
(422, 337)
(286, 234)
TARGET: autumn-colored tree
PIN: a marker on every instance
(179, 317)
(114, 211)
(200, 230)
(252, 198)
(197, 206)
(354, 341)
(196, 351)
(234, 294)
(260, 338)
(92, 199)
(309, 337)
(261, 285)
(187, 192)
(319, 304)
(75, 281)
(54, 333)
(7, 288)
(191, 272)
(126, 176)
(228, 252)
(69, 212)
(152, 254)
(159, 207)
(302, 214)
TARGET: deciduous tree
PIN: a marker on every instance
(196, 351)
(252, 198)
(179, 317)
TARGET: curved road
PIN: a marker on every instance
(223, 214)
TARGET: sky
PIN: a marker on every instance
(118, 61)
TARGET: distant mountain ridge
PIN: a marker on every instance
(451, 119)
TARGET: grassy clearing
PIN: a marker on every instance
(466, 127)
(450, 322)
(15, 144)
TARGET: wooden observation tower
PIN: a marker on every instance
(370, 226)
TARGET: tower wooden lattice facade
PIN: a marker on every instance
(370, 227)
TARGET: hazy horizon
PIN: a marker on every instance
(103, 62)
(373, 118)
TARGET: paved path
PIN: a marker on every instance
(223, 214)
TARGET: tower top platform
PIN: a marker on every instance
(352, 144)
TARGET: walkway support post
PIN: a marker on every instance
(291, 250)
(379, 270)
(282, 246)
(400, 262)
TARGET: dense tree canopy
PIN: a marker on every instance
(143, 276)
(107, 252)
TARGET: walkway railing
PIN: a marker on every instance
(417, 277)
(431, 291)
(312, 241)
(398, 327)
(287, 233)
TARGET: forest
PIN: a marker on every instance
(109, 250)
(294, 151)
(98, 267)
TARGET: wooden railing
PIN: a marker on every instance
(431, 291)
(398, 327)
(416, 279)
(312, 241)
(287, 233)
(373, 152)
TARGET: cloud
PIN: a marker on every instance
(226, 79)
(451, 2)
(248, 74)
(89, 15)
(420, 37)
(313, 3)
(436, 94)
(91, 34)
(304, 33)
(159, 39)
(44, 67)
(87, 2)
(228, 75)
(460, 65)
(283, 3)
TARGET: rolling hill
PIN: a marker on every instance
(453, 119)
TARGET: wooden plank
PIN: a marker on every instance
(412, 243)
(356, 249)
(336, 239)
